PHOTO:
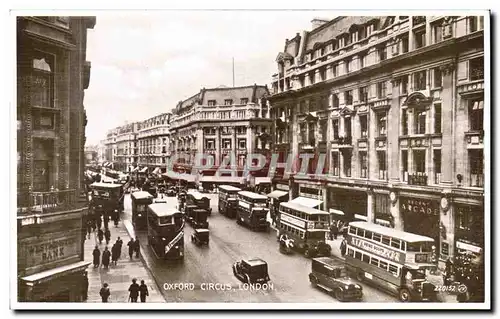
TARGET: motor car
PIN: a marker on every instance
(200, 236)
(331, 275)
(251, 271)
(171, 192)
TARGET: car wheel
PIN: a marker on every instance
(404, 295)
(339, 295)
(313, 280)
(307, 253)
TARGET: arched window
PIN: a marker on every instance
(42, 83)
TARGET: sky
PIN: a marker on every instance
(145, 62)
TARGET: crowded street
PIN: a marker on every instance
(230, 242)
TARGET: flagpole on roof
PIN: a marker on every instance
(233, 72)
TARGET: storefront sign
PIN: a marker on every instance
(420, 206)
(51, 250)
(311, 193)
(469, 247)
(380, 251)
(293, 220)
(445, 250)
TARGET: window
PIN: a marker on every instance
(437, 31)
(476, 114)
(396, 243)
(312, 105)
(352, 230)
(405, 44)
(404, 84)
(312, 78)
(420, 116)
(382, 169)
(335, 69)
(362, 60)
(303, 132)
(404, 121)
(347, 65)
(336, 163)
(335, 126)
(363, 94)
(381, 124)
(419, 39)
(335, 101)
(404, 164)
(474, 24)
(420, 80)
(226, 143)
(393, 269)
(302, 107)
(364, 164)
(437, 166)
(476, 162)
(211, 103)
(437, 118)
(363, 123)
(244, 101)
(347, 127)
(382, 53)
(374, 261)
(348, 97)
(377, 237)
(241, 130)
(210, 144)
(322, 74)
(322, 130)
(419, 161)
(386, 240)
(228, 102)
(476, 69)
(42, 81)
(347, 164)
(438, 78)
(381, 89)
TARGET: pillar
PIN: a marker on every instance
(217, 146)
(411, 37)
(447, 105)
(234, 147)
(393, 125)
(398, 219)
(370, 210)
(372, 153)
(324, 191)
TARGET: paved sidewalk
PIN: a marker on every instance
(118, 277)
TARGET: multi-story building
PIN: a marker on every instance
(110, 148)
(220, 122)
(396, 104)
(52, 75)
(101, 151)
(153, 138)
(126, 147)
(90, 154)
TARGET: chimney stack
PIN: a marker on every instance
(318, 22)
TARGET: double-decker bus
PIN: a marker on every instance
(306, 226)
(166, 231)
(140, 202)
(228, 200)
(193, 197)
(391, 259)
(252, 210)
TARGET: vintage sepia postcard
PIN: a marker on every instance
(243, 159)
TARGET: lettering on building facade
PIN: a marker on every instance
(51, 250)
(420, 206)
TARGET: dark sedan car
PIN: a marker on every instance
(251, 271)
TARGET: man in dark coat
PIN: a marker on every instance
(98, 220)
(143, 289)
(343, 247)
(114, 253)
(134, 291)
(119, 242)
(131, 247)
(105, 257)
(107, 235)
(106, 220)
(104, 292)
(137, 248)
(100, 235)
(334, 231)
(89, 228)
(97, 254)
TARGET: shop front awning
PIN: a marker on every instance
(144, 170)
(56, 272)
(308, 202)
(171, 175)
(361, 217)
(469, 247)
(187, 177)
(262, 180)
(222, 179)
(277, 194)
(336, 212)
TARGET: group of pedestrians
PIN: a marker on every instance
(107, 255)
(135, 291)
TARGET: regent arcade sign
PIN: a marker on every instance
(419, 206)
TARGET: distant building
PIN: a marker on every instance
(153, 138)
(125, 157)
(396, 104)
(91, 153)
(221, 122)
(52, 75)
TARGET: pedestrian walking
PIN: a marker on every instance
(143, 290)
(100, 235)
(97, 256)
(343, 247)
(98, 221)
(93, 224)
(115, 253)
(131, 247)
(85, 286)
(107, 235)
(105, 257)
(334, 230)
(134, 291)
(105, 292)
(120, 244)
(89, 228)
(106, 221)
(137, 248)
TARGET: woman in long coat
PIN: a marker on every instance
(115, 253)
(105, 257)
(97, 254)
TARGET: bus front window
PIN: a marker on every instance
(165, 220)
(417, 274)
(413, 247)
(427, 247)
